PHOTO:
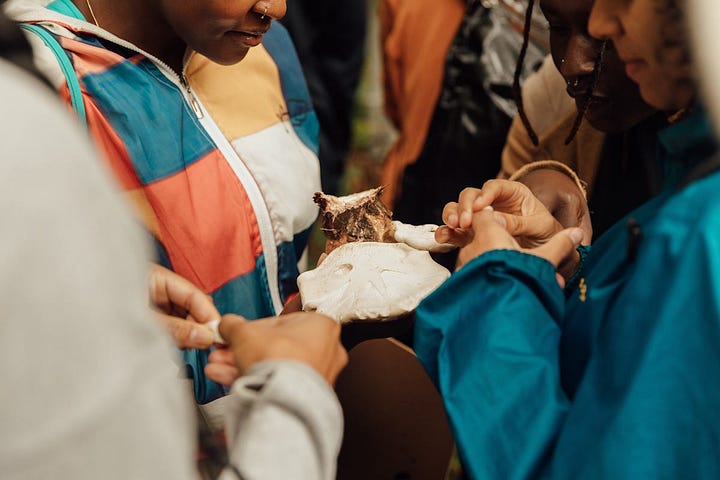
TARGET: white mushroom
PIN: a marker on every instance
(421, 237)
(370, 281)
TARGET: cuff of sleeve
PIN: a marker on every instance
(552, 165)
(281, 407)
(573, 282)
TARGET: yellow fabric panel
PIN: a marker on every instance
(244, 98)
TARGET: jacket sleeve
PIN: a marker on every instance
(646, 406)
(284, 422)
(489, 339)
(648, 403)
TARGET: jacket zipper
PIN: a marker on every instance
(262, 214)
(192, 100)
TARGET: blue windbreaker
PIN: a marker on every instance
(617, 377)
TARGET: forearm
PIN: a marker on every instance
(489, 338)
(285, 422)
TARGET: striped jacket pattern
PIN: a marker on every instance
(219, 162)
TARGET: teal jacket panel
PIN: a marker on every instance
(620, 378)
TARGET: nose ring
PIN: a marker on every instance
(264, 14)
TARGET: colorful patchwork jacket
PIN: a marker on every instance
(220, 162)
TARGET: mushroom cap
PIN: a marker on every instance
(370, 281)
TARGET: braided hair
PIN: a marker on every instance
(517, 92)
(587, 99)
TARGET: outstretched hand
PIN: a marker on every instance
(311, 338)
(182, 308)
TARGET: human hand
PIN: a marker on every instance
(491, 234)
(563, 198)
(311, 338)
(526, 218)
(182, 308)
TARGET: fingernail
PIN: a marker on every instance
(442, 234)
(576, 235)
(489, 208)
(465, 219)
(201, 336)
(453, 219)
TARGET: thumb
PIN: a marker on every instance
(187, 334)
(228, 324)
(518, 225)
(559, 246)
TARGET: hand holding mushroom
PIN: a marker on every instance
(522, 215)
(309, 338)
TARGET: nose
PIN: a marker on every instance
(271, 9)
(604, 22)
(580, 58)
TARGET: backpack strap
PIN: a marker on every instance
(65, 65)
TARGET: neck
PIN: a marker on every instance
(139, 22)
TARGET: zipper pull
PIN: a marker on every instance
(194, 104)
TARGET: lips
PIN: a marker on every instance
(250, 38)
(633, 68)
(581, 93)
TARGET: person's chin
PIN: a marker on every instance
(230, 58)
(663, 99)
(601, 117)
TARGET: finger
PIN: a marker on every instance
(185, 333)
(170, 291)
(466, 202)
(517, 225)
(492, 192)
(220, 373)
(229, 325)
(559, 246)
(455, 236)
(450, 214)
(197, 304)
(502, 195)
(222, 355)
(486, 221)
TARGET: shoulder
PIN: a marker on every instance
(691, 217)
(545, 99)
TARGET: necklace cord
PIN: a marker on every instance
(92, 14)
